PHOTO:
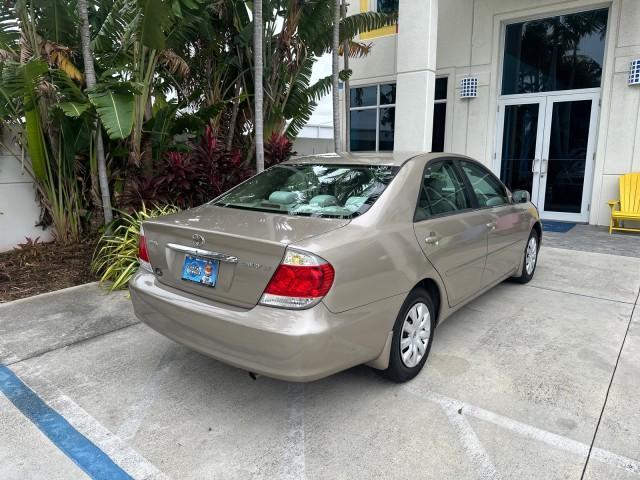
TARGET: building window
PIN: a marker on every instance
(556, 53)
(372, 118)
(385, 6)
(439, 115)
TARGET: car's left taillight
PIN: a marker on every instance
(301, 280)
(143, 253)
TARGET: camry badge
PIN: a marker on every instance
(198, 240)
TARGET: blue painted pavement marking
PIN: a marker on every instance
(76, 446)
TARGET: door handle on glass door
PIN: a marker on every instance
(533, 166)
(545, 164)
(432, 239)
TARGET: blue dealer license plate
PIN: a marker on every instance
(200, 270)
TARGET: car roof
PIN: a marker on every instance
(368, 158)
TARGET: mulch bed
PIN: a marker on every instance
(45, 267)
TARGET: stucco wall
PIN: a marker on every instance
(470, 42)
(19, 211)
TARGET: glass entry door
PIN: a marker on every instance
(546, 147)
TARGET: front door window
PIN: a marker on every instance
(547, 149)
(565, 164)
(488, 190)
(519, 144)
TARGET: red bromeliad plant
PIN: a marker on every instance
(277, 148)
(188, 179)
(224, 169)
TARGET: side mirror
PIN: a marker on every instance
(521, 196)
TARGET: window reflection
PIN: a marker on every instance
(556, 53)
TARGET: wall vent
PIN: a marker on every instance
(634, 72)
(469, 87)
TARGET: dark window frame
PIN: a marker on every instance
(548, 17)
(440, 101)
(377, 107)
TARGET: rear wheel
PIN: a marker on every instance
(412, 337)
(530, 260)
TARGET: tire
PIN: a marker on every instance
(529, 270)
(403, 364)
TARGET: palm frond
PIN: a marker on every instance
(174, 63)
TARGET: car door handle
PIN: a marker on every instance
(432, 239)
(491, 226)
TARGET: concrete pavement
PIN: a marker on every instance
(514, 388)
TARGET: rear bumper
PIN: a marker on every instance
(300, 345)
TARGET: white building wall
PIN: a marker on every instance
(470, 42)
(19, 210)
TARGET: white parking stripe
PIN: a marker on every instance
(529, 431)
(293, 455)
(485, 470)
(122, 454)
(138, 410)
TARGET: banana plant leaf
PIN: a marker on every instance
(73, 109)
(115, 109)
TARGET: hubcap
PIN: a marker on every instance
(531, 255)
(416, 331)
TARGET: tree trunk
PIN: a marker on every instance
(90, 75)
(347, 91)
(257, 65)
(335, 70)
(234, 117)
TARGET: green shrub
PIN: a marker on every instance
(116, 257)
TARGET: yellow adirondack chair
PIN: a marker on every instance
(628, 205)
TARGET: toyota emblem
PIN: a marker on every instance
(198, 240)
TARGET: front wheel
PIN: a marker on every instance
(530, 260)
(412, 337)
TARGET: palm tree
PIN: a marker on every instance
(347, 91)
(90, 77)
(335, 72)
(258, 87)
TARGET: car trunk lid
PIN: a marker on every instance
(248, 245)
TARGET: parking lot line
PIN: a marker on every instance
(529, 431)
(293, 455)
(120, 453)
(138, 409)
(93, 461)
(485, 468)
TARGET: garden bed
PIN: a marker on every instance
(45, 267)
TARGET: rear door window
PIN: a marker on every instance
(442, 192)
(321, 190)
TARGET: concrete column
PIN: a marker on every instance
(416, 64)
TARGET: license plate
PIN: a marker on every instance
(200, 270)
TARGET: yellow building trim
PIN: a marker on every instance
(380, 32)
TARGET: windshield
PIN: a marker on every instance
(342, 191)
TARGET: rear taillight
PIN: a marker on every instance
(143, 254)
(300, 281)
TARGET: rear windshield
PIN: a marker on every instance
(338, 191)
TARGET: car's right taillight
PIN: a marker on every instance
(300, 281)
(143, 253)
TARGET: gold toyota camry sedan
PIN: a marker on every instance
(326, 262)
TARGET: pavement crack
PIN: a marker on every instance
(581, 294)
(606, 397)
(39, 353)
